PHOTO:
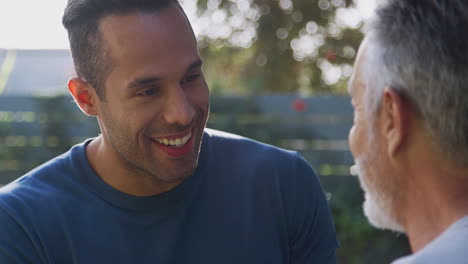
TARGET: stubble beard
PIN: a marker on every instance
(134, 160)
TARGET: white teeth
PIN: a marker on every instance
(178, 142)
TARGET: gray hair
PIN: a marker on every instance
(420, 49)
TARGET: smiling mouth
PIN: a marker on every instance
(174, 142)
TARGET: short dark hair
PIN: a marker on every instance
(81, 19)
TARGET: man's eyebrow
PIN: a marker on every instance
(142, 81)
(147, 80)
(195, 65)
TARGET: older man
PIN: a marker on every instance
(410, 134)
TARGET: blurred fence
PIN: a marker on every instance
(33, 130)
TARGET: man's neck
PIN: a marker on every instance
(439, 198)
(110, 168)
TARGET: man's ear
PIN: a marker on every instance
(395, 118)
(84, 94)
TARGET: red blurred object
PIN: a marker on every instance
(299, 105)
(330, 56)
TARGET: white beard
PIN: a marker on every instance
(378, 206)
(378, 212)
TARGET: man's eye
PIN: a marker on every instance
(147, 92)
(192, 78)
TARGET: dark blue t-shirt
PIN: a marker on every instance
(247, 202)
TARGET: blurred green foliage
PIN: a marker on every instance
(277, 46)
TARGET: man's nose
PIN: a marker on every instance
(178, 109)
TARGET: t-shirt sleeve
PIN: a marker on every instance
(16, 246)
(312, 236)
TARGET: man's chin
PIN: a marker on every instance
(172, 177)
(176, 172)
(379, 214)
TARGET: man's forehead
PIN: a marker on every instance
(357, 77)
(117, 20)
(163, 16)
(119, 30)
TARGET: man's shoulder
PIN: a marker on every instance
(240, 155)
(245, 147)
(39, 184)
(33, 206)
(451, 247)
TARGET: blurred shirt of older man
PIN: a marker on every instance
(410, 133)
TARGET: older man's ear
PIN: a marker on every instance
(395, 118)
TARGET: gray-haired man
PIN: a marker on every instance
(410, 133)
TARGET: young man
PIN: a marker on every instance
(156, 186)
(410, 133)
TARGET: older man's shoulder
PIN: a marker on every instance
(449, 247)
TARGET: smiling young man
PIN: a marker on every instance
(410, 134)
(153, 105)
(156, 186)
